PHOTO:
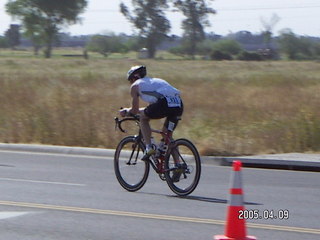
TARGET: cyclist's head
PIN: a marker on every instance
(136, 72)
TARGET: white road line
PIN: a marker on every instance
(109, 158)
(56, 154)
(154, 216)
(5, 215)
(43, 182)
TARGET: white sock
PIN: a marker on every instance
(148, 147)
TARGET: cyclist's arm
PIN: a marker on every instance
(135, 100)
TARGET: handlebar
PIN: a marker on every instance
(136, 118)
(118, 121)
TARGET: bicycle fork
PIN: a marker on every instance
(134, 156)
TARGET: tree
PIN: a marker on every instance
(35, 33)
(196, 13)
(47, 15)
(148, 16)
(289, 44)
(13, 35)
(106, 44)
(3, 42)
(298, 47)
(268, 29)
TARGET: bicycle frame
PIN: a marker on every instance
(158, 162)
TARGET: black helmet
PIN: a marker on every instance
(141, 70)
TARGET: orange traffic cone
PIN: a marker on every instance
(235, 226)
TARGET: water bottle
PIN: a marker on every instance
(160, 148)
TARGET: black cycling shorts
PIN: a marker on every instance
(160, 110)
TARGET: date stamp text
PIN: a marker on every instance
(254, 214)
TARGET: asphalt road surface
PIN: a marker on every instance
(55, 196)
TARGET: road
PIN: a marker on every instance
(56, 196)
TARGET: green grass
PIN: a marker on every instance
(230, 107)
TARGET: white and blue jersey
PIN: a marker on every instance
(153, 89)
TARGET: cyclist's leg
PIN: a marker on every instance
(153, 111)
(145, 127)
(170, 125)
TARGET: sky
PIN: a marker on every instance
(103, 16)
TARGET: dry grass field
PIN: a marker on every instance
(230, 107)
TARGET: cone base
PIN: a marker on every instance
(222, 237)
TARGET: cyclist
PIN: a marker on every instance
(164, 101)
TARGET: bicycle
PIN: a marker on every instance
(178, 162)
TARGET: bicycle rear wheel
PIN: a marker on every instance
(131, 172)
(183, 167)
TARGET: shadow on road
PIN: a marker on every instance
(199, 198)
(213, 200)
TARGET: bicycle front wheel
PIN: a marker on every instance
(131, 172)
(183, 167)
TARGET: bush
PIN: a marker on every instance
(224, 49)
(229, 46)
(250, 56)
(179, 51)
(218, 55)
